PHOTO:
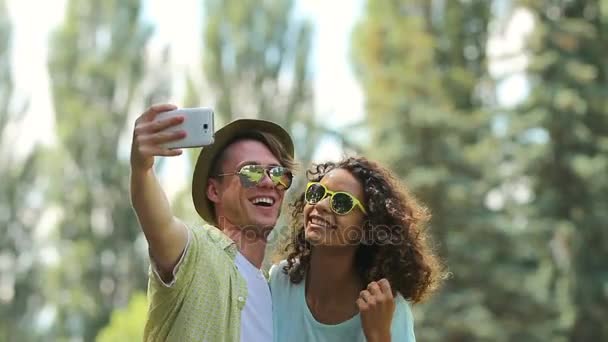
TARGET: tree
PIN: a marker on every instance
(20, 209)
(127, 324)
(257, 64)
(423, 69)
(562, 130)
(96, 64)
(256, 59)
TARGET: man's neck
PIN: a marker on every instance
(251, 246)
(332, 276)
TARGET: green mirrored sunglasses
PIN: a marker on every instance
(251, 175)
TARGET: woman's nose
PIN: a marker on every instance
(324, 203)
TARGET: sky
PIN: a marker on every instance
(29, 50)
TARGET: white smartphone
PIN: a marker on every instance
(198, 125)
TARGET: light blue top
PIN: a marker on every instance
(294, 322)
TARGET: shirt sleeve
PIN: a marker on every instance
(277, 275)
(183, 272)
(273, 269)
(154, 273)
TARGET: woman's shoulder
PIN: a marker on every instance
(281, 286)
(277, 271)
(403, 308)
(403, 320)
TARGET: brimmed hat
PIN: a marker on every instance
(222, 138)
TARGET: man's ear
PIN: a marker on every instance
(213, 191)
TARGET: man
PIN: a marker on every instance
(205, 282)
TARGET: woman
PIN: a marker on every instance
(357, 257)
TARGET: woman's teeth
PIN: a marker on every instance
(320, 222)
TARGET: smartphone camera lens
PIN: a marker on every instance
(205, 126)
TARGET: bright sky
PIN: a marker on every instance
(29, 50)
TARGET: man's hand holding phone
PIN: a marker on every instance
(163, 129)
(149, 135)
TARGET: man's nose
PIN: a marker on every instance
(266, 182)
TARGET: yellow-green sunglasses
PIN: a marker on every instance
(340, 202)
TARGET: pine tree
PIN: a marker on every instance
(423, 66)
(562, 129)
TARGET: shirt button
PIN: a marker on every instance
(241, 299)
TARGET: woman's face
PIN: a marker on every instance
(324, 227)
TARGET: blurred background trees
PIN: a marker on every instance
(518, 192)
(431, 120)
(257, 64)
(561, 135)
(24, 253)
(96, 65)
(431, 114)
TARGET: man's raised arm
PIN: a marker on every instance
(166, 235)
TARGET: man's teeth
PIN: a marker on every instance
(266, 200)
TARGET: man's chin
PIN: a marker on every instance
(263, 225)
(265, 219)
(266, 225)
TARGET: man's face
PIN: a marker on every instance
(239, 205)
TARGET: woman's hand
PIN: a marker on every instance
(376, 306)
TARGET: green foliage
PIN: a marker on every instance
(567, 106)
(20, 209)
(431, 125)
(523, 270)
(257, 64)
(127, 324)
(6, 87)
(96, 64)
(250, 45)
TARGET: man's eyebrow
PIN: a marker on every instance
(251, 162)
(247, 162)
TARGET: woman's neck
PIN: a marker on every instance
(332, 284)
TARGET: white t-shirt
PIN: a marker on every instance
(256, 317)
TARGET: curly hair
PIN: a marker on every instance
(395, 243)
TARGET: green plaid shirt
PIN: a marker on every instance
(205, 298)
